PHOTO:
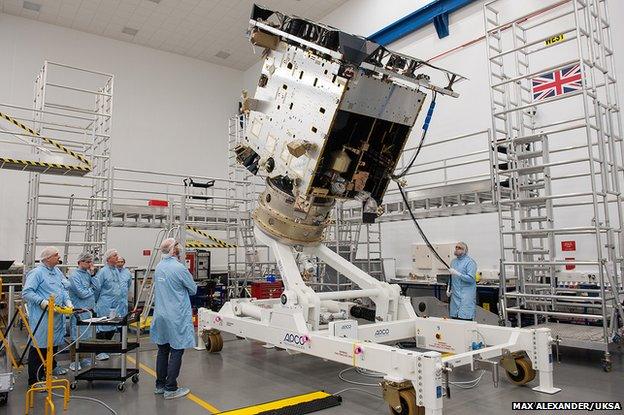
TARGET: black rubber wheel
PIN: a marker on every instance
(73, 386)
(525, 374)
(4, 398)
(121, 387)
(607, 366)
(135, 378)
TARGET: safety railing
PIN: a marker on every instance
(470, 153)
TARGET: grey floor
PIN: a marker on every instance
(245, 373)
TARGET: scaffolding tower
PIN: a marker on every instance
(250, 260)
(558, 154)
(74, 106)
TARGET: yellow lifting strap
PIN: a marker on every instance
(217, 241)
(32, 165)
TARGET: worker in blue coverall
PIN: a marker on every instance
(109, 294)
(42, 282)
(172, 323)
(82, 295)
(126, 280)
(463, 288)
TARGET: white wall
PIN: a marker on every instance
(453, 117)
(170, 113)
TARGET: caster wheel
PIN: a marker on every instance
(213, 341)
(607, 366)
(73, 386)
(408, 404)
(121, 387)
(4, 398)
(135, 379)
(525, 374)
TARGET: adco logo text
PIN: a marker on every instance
(382, 332)
(294, 339)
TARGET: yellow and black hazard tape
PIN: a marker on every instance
(212, 238)
(202, 245)
(22, 164)
(50, 141)
(295, 405)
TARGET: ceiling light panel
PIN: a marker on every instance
(210, 30)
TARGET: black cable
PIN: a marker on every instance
(10, 325)
(411, 163)
(422, 138)
(422, 234)
(27, 348)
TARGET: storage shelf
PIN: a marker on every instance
(94, 346)
(106, 374)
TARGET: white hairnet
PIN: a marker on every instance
(85, 257)
(48, 252)
(166, 247)
(463, 245)
(110, 253)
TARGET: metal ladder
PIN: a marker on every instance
(530, 219)
(146, 290)
(374, 262)
(250, 260)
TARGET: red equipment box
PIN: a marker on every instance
(263, 290)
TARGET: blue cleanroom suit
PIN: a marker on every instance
(172, 321)
(464, 288)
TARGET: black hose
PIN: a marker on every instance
(422, 138)
(21, 359)
(411, 163)
(422, 234)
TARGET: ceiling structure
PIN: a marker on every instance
(210, 30)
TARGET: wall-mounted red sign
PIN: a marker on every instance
(568, 245)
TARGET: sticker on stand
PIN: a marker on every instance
(295, 340)
(441, 346)
(382, 333)
(555, 39)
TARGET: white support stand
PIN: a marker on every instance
(294, 323)
(543, 359)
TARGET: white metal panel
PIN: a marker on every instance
(385, 100)
(295, 78)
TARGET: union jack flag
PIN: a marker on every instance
(559, 82)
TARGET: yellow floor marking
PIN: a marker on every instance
(202, 403)
(190, 396)
(281, 403)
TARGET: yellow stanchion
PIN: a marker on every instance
(49, 384)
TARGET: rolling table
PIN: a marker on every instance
(94, 346)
